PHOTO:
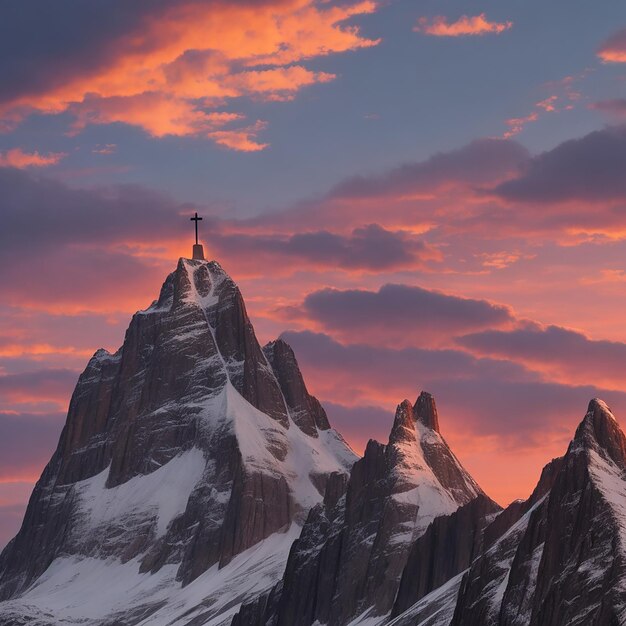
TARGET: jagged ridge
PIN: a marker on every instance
(353, 548)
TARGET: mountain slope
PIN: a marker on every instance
(350, 556)
(184, 449)
(563, 561)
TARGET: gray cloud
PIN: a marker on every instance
(44, 214)
(402, 313)
(371, 247)
(571, 352)
(590, 168)
(44, 43)
(479, 162)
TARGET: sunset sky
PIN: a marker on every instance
(415, 194)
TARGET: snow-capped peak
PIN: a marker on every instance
(600, 431)
(189, 412)
(425, 470)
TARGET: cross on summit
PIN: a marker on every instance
(198, 251)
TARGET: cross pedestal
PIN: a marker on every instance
(198, 252)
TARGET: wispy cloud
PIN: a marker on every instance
(242, 139)
(615, 107)
(441, 26)
(563, 97)
(106, 149)
(18, 158)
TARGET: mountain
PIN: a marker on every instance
(555, 559)
(349, 558)
(197, 482)
(563, 560)
(181, 453)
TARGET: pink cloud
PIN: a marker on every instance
(516, 124)
(615, 107)
(613, 50)
(242, 139)
(440, 26)
(18, 158)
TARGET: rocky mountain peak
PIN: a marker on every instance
(351, 554)
(418, 454)
(403, 423)
(305, 410)
(185, 448)
(425, 410)
(600, 431)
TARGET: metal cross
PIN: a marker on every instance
(196, 219)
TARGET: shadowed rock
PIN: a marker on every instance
(353, 549)
(190, 378)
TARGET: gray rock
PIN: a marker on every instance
(160, 395)
(448, 547)
(353, 548)
(561, 563)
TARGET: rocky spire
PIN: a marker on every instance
(599, 430)
(425, 411)
(305, 410)
(351, 552)
(562, 561)
(403, 423)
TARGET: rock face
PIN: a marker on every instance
(448, 547)
(184, 449)
(556, 559)
(353, 548)
(563, 560)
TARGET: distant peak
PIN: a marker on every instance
(425, 411)
(277, 344)
(599, 430)
(598, 417)
(599, 406)
(404, 423)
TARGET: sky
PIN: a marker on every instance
(417, 195)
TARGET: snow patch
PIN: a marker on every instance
(611, 481)
(162, 494)
(86, 591)
(257, 434)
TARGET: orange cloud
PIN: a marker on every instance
(16, 157)
(439, 26)
(549, 104)
(157, 113)
(177, 67)
(276, 84)
(516, 124)
(613, 56)
(614, 48)
(243, 139)
(40, 349)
